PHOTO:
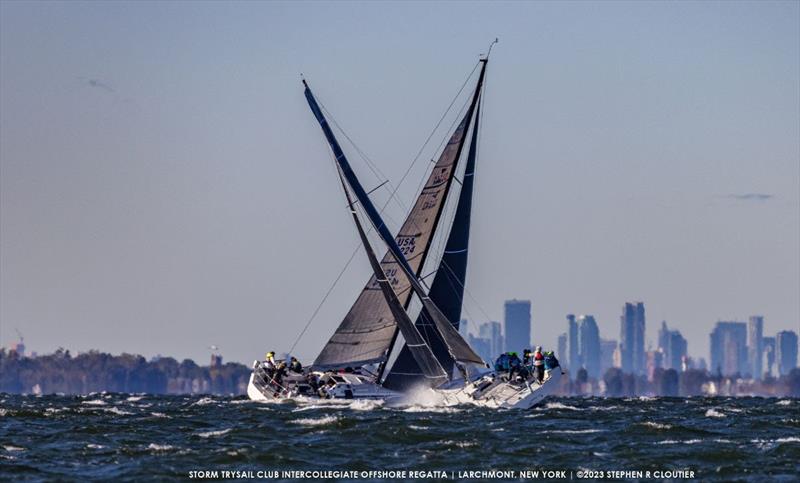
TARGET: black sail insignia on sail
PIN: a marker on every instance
(430, 368)
(369, 328)
(447, 289)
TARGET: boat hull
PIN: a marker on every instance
(490, 391)
(261, 387)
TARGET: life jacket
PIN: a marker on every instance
(502, 363)
(538, 359)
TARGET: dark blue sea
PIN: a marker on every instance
(127, 437)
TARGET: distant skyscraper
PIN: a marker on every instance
(655, 360)
(562, 345)
(589, 345)
(673, 347)
(755, 345)
(573, 363)
(632, 328)
(482, 347)
(518, 325)
(769, 355)
(786, 351)
(729, 348)
(492, 331)
(607, 348)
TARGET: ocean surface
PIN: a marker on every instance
(135, 437)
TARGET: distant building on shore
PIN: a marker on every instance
(786, 351)
(755, 345)
(589, 345)
(517, 323)
(673, 347)
(607, 349)
(631, 338)
(729, 348)
(573, 363)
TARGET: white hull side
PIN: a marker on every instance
(503, 394)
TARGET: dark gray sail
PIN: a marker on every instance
(419, 350)
(369, 329)
(458, 348)
(447, 289)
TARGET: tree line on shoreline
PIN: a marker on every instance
(94, 371)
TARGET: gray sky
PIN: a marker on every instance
(165, 187)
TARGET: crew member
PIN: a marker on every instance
(295, 366)
(538, 364)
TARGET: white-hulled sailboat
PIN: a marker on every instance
(378, 333)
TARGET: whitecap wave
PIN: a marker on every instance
(117, 411)
(431, 409)
(672, 441)
(366, 404)
(159, 415)
(790, 439)
(460, 444)
(558, 405)
(655, 425)
(214, 434)
(574, 431)
(325, 420)
(95, 402)
(95, 446)
(204, 401)
(784, 402)
(713, 413)
(160, 447)
(12, 448)
(134, 398)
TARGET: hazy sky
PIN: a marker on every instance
(165, 186)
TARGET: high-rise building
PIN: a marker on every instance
(655, 360)
(562, 345)
(492, 332)
(482, 347)
(678, 351)
(589, 345)
(673, 346)
(729, 348)
(769, 355)
(607, 348)
(573, 363)
(755, 345)
(786, 351)
(517, 325)
(632, 328)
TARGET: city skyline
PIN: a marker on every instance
(734, 347)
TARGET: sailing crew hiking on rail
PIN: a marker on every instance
(509, 366)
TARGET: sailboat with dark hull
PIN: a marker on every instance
(377, 351)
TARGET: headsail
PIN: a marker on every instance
(421, 352)
(368, 330)
(447, 289)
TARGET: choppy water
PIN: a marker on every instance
(130, 437)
